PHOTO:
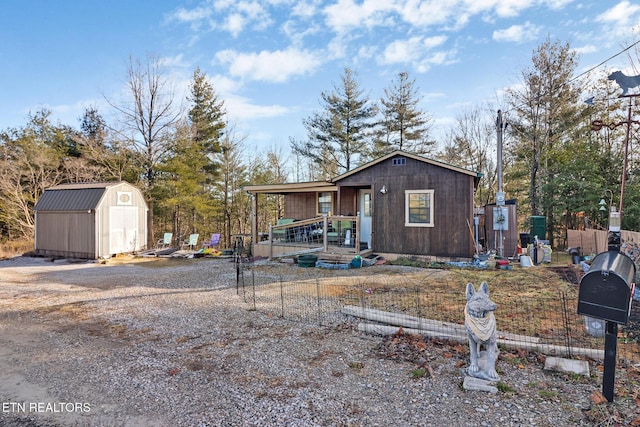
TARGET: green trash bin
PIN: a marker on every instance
(538, 227)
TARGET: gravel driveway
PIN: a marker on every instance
(142, 344)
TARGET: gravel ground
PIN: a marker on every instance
(142, 344)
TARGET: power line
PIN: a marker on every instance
(604, 62)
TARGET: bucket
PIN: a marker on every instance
(525, 261)
(307, 260)
(356, 262)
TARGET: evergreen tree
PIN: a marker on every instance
(338, 135)
(403, 126)
(207, 117)
(110, 156)
(544, 113)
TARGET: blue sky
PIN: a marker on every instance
(269, 60)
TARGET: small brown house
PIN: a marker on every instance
(90, 220)
(404, 204)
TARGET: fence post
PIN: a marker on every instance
(566, 322)
(318, 299)
(253, 285)
(418, 313)
(281, 298)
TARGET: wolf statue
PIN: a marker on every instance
(625, 82)
(481, 329)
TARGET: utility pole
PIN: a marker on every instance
(500, 127)
(500, 214)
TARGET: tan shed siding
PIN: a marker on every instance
(68, 234)
(72, 220)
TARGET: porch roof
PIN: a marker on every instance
(331, 185)
(292, 187)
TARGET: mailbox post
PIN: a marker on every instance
(606, 291)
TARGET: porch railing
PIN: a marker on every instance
(319, 234)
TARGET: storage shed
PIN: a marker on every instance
(90, 220)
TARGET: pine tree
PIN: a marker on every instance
(403, 126)
(338, 134)
(544, 115)
(206, 116)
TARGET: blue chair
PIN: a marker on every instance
(192, 242)
(165, 242)
(212, 242)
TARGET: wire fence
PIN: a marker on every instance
(428, 304)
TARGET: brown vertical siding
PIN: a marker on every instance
(453, 204)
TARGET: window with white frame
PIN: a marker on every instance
(325, 203)
(418, 208)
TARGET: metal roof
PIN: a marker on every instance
(73, 197)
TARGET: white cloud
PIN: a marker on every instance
(270, 66)
(620, 14)
(511, 8)
(589, 48)
(240, 108)
(305, 9)
(444, 57)
(426, 13)
(402, 51)
(234, 23)
(618, 22)
(193, 16)
(518, 33)
(412, 50)
(431, 42)
(173, 61)
(345, 14)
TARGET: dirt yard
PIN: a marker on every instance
(149, 342)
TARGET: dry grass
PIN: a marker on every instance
(12, 248)
(538, 302)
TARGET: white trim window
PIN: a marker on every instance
(418, 208)
(325, 203)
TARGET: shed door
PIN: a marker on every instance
(366, 211)
(123, 229)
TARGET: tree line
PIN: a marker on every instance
(191, 163)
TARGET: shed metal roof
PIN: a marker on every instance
(73, 197)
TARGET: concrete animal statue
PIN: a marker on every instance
(480, 324)
(625, 82)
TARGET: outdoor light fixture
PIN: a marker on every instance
(383, 190)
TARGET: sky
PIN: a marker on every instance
(270, 60)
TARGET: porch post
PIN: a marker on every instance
(325, 230)
(357, 233)
(254, 220)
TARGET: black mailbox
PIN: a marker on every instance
(606, 289)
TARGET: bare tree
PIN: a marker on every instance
(470, 145)
(148, 117)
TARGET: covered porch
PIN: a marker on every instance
(314, 217)
(327, 236)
